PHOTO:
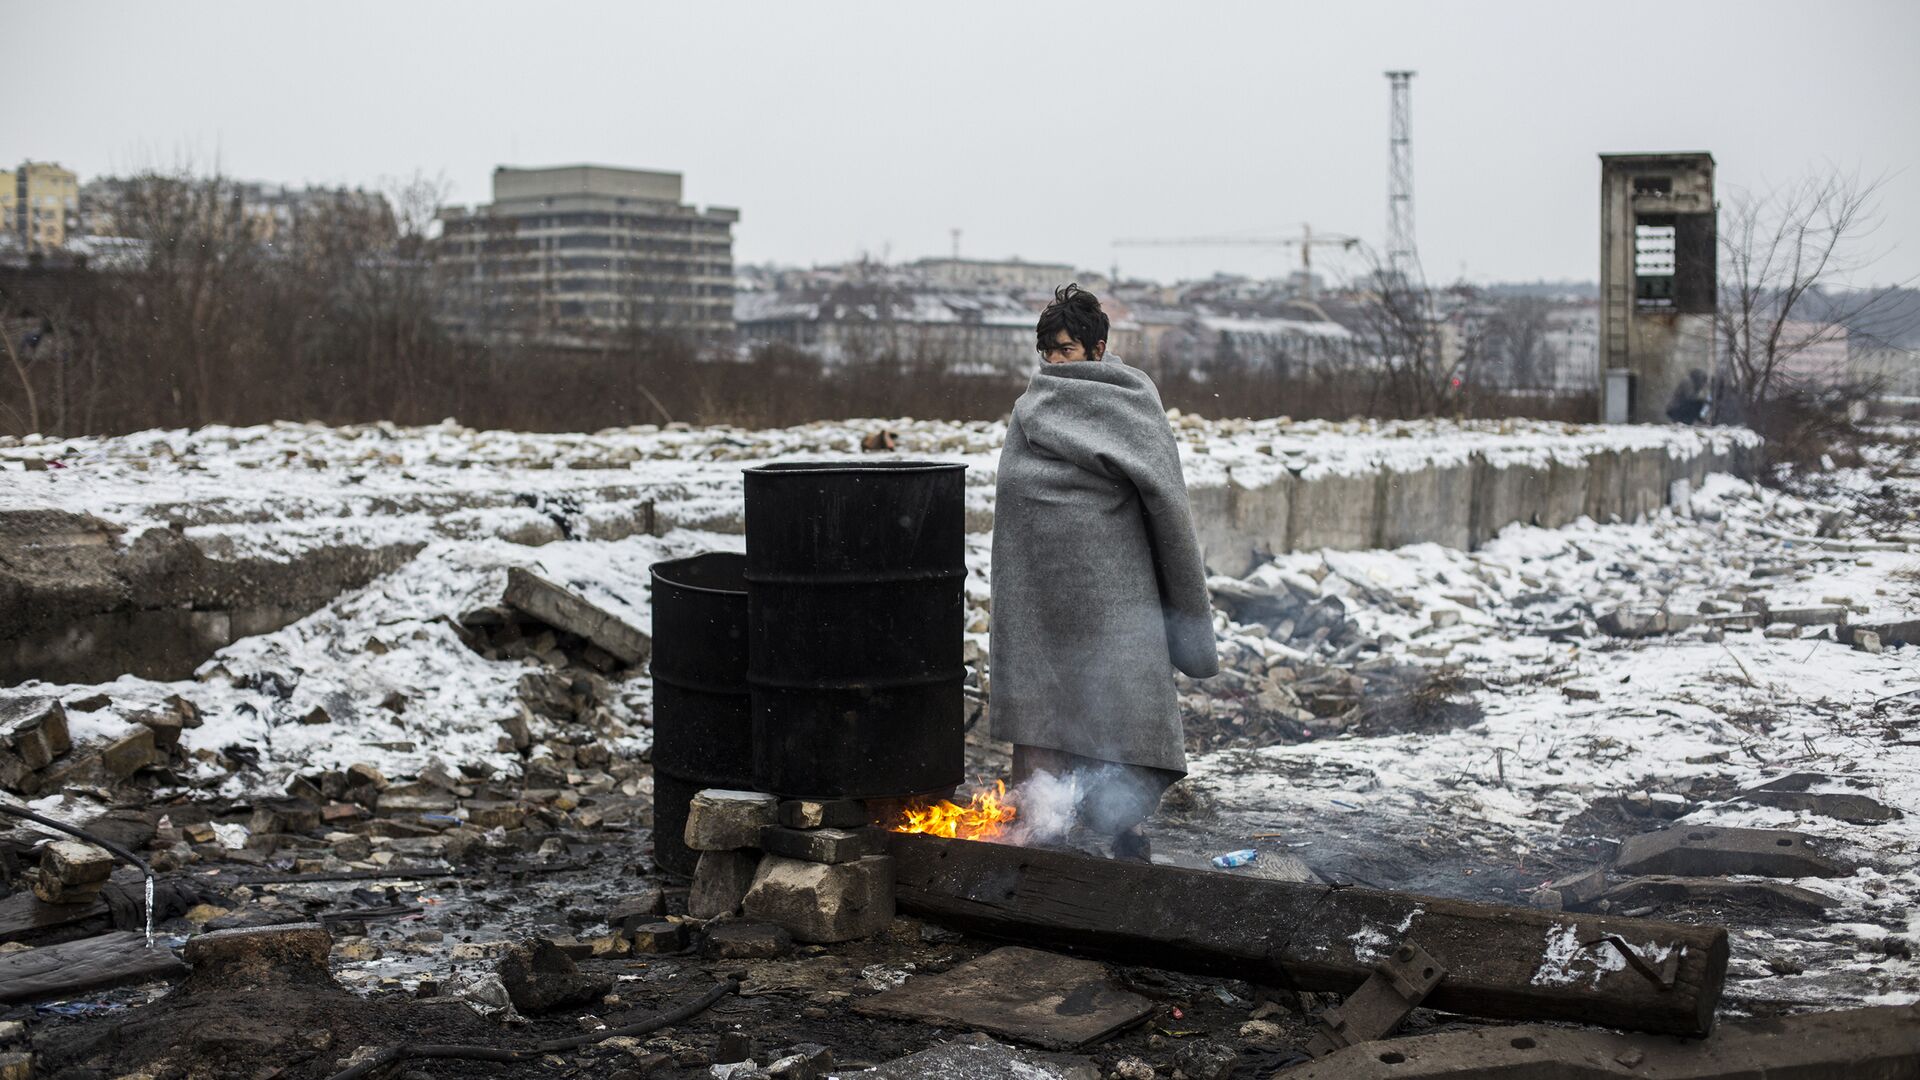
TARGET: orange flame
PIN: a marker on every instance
(983, 817)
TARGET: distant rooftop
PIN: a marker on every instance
(510, 182)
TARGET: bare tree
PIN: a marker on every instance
(1397, 318)
(1516, 338)
(1788, 258)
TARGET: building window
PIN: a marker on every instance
(1658, 186)
(1653, 246)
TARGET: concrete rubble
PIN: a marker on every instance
(406, 786)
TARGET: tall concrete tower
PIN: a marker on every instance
(1659, 283)
(1401, 257)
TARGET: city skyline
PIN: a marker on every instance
(841, 132)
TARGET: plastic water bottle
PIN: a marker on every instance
(1235, 858)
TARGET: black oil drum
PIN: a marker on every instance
(854, 578)
(702, 715)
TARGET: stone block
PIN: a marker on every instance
(823, 845)
(822, 903)
(1335, 510)
(495, 813)
(1582, 888)
(720, 882)
(1431, 505)
(540, 978)
(293, 954)
(129, 754)
(659, 937)
(722, 820)
(416, 798)
(284, 816)
(74, 863)
(739, 939)
(823, 813)
(51, 890)
(646, 905)
(34, 728)
(1866, 641)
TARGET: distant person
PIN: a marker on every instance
(1689, 401)
(1099, 592)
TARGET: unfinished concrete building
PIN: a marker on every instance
(1658, 284)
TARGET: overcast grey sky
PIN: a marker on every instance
(1040, 130)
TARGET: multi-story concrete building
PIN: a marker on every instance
(38, 201)
(1658, 279)
(582, 251)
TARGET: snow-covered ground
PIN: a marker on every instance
(1573, 720)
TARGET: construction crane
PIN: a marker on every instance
(1306, 242)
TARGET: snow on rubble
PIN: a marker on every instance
(1572, 735)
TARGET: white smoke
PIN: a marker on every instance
(1105, 797)
(1047, 805)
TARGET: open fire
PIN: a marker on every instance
(986, 816)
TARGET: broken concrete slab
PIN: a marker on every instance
(1663, 890)
(1880, 1043)
(1040, 998)
(1707, 851)
(822, 904)
(560, 607)
(720, 882)
(291, 954)
(981, 1058)
(823, 845)
(94, 963)
(722, 820)
(1795, 792)
(1811, 615)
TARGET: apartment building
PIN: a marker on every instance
(38, 201)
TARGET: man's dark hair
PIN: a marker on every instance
(1076, 311)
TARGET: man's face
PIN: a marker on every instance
(1066, 350)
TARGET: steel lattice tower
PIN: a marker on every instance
(1400, 249)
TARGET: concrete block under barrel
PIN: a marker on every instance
(855, 613)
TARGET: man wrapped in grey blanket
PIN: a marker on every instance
(1099, 591)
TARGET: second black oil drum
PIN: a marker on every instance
(855, 614)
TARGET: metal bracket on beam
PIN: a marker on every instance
(1662, 976)
(1398, 985)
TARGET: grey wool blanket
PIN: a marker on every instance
(1098, 587)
